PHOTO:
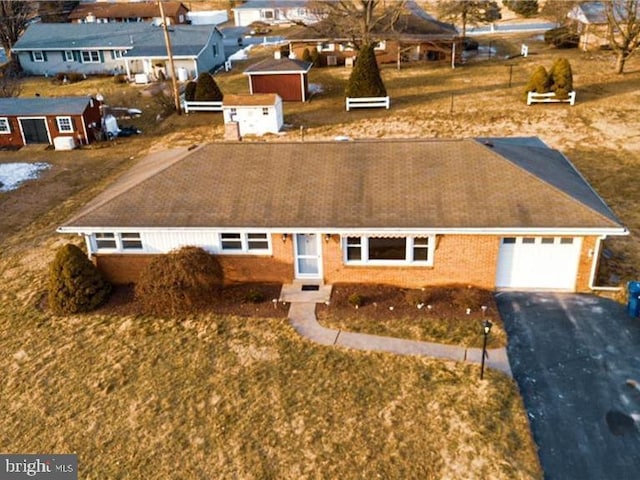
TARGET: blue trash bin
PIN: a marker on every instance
(633, 306)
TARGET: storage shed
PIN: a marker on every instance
(255, 114)
(34, 120)
(285, 76)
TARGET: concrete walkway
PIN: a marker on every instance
(303, 318)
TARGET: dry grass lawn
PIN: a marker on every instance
(223, 397)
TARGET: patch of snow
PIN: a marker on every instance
(13, 174)
(315, 88)
(242, 54)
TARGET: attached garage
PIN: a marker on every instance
(538, 262)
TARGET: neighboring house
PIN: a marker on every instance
(113, 48)
(25, 121)
(494, 213)
(589, 19)
(103, 12)
(274, 12)
(287, 77)
(255, 114)
(416, 36)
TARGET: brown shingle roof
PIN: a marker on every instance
(125, 10)
(391, 184)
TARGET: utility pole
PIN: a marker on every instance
(167, 41)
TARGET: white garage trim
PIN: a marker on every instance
(546, 263)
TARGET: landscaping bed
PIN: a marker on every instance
(451, 314)
(240, 300)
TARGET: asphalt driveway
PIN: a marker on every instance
(576, 359)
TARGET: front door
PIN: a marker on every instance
(34, 130)
(308, 255)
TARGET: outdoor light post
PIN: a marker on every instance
(486, 328)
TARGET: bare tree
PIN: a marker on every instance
(557, 10)
(623, 29)
(14, 17)
(358, 20)
(10, 85)
(469, 12)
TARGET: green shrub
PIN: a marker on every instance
(178, 282)
(306, 55)
(539, 81)
(254, 296)
(561, 78)
(190, 91)
(75, 284)
(356, 300)
(365, 79)
(207, 89)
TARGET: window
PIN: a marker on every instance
(64, 124)
(257, 241)
(389, 250)
(116, 54)
(547, 240)
(245, 242)
(215, 50)
(4, 125)
(68, 55)
(508, 240)
(381, 248)
(118, 241)
(231, 241)
(233, 110)
(105, 240)
(268, 14)
(326, 47)
(566, 240)
(354, 248)
(381, 45)
(38, 56)
(91, 56)
(265, 111)
(528, 240)
(131, 241)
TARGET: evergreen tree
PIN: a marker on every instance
(525, 8)
(190, 91)
(365, 79)
(306, 55)
(75, 284)
(539, 81)
(207, 89)
(561, 78)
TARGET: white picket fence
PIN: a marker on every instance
(533, 97)
(201, 106)
(367, 102)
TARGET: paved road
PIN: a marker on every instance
(573, 357)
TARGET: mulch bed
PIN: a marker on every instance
(238, 299)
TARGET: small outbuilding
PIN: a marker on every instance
(25, 121)
(254, 114)
(287, 77)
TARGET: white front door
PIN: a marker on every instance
(538, 262)
(308, 255)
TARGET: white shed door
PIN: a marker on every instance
(538, 262)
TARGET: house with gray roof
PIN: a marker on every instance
(494, 213)
(118, 48)
(33, 120)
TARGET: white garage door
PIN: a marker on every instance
(538, 262)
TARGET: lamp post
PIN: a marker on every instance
(486, 328)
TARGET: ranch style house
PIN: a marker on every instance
(496, 213)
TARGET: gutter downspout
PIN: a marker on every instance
(592, 275)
